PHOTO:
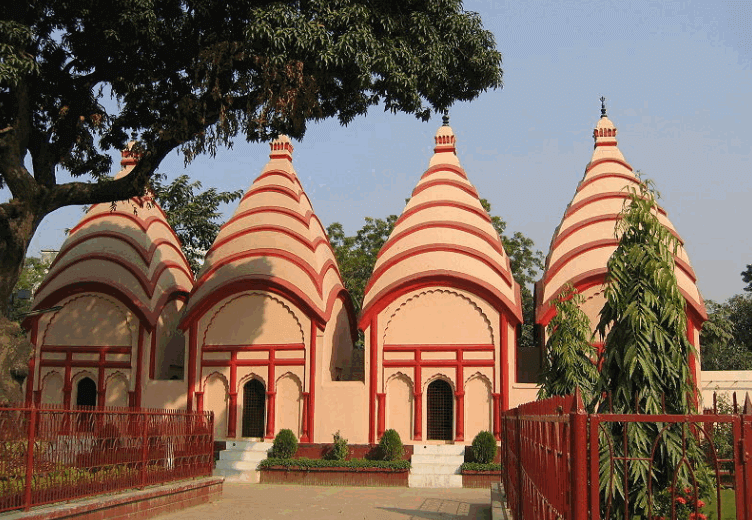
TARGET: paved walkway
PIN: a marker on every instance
(272, 502)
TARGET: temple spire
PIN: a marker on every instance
(445, 118)
(603, 107)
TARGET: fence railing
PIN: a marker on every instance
(562, 463)
(51, 454)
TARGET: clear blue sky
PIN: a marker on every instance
(678, 82)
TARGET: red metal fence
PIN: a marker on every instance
(561, 463)
(51, 454)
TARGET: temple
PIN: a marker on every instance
(265, 336)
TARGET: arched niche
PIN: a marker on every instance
(478, 406)
(254, 408)
(116, 390)
(215, 400)
(439, 410)
(289, 403)
(52, 388)
(399, 405)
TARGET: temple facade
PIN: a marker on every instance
(265, 334)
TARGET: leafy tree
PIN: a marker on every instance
(645, 362)
(32, 274)
(569, 360)
(192, 75)
(726, 338)
(193, 216)
(356, 255)
(747, 278)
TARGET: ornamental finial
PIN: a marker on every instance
(445, 118)
(603, 106)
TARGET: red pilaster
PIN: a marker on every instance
(100, 380)
(496, 416)
(382, 414)
(305, 437)
(192, 353)
(418, 426)
(153, 354)
(460, 436)
(506, 384)
(270, 400)
(312, 379)
(199, 401)
(139, 363)
(372, 380)
(232, 415)
(68, 385)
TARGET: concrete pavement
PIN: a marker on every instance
(271, 502)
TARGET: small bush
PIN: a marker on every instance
(390, 445)
(477, 466)
(339, 449)
(484, 447)
(355, 464)
(285, 444)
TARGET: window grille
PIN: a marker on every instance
(440, 411)
(254, 407)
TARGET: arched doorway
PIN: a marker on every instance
(440, 405)
(86, 392)
(254, 408)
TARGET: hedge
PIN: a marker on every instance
(303, 463)
(477, 466)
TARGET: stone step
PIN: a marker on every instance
(437, 459)
(434, 481)
(435, 469)
(439, 449)
(230, 455)
(230, 475)
(248, 446)
(237, 465)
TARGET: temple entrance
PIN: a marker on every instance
(440, 414)
(254, 408)
(86, 392)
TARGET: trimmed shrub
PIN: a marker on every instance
(339, 449)
(304, 463)
(484, 447)
(390, 445)
(477, 466)
(285, 444)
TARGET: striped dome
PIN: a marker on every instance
(273, 241)
(443, 235)
(131, 252)
(585, 240)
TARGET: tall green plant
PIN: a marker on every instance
(645, 362)
(569, 360)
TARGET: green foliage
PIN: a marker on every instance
(303, 463)
(32, 274)
(285, 444)
(747, 277)
(646, 357)
(726, 337)
(390, 445)
(569, 361)
(356, 255)
(339, 450)
(478, 466)
(194, 216)
(484, 447)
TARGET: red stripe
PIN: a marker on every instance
(444, 168)
(626, 176)
(595, 163)
(577, 251)
(311, 245)
(273, 189)
(493, 241)
(432, 248)
(423, 186)
(443, 203)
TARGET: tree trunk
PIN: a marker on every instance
(15, 349)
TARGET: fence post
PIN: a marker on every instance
(518, 477)
(33, 412)
(746, 455)
(144, 450)
(578, 488)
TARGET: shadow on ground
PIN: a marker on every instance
(438, 509)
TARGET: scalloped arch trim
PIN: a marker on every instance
(443, 291)
(125, 311)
